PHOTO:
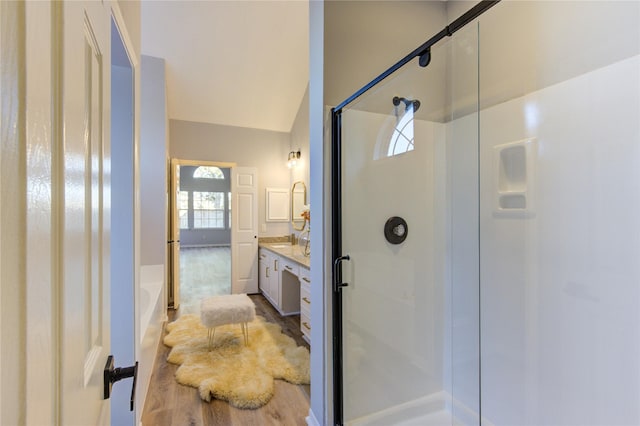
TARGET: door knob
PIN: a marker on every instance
(114, 374)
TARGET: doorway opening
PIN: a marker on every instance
(200, 196)
(204, 212)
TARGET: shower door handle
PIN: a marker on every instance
(337, 273)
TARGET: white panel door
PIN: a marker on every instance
(84, 212)
(244, 230)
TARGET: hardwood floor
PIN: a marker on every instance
(169, 403)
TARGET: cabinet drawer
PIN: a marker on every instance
(305, 276)
(289, 266)
(305, 297)
(305, 325)
(306, 311)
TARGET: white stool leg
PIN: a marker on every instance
(211, 333)
(245, 332)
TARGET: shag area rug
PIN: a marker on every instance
(229, 370)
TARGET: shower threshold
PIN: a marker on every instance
(431, 410)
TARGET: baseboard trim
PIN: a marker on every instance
(204, 246)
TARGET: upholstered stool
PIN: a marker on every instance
(228, 309)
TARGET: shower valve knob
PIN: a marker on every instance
(396, 230)
(399, 230)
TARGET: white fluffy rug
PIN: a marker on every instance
(242, 375)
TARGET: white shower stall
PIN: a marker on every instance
(506, 289)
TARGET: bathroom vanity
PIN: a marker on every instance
(285, 281)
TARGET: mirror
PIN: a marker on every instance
(298, 201)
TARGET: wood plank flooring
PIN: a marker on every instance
(171, 404)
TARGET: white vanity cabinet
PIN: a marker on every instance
(268, 278)
(278, 281)
(305, 303)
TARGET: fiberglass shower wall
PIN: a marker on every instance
(560, 196)
(410, 316)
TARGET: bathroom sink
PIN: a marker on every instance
(277, 246)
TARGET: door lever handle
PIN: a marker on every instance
(337, 284)
(112, 374)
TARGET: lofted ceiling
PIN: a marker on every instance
(236, 63)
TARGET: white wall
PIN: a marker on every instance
(320, 410)
(153, 160)
(153, 211)
(364, 38)
(265, 149)
(300, 140)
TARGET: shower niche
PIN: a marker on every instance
(514, 166)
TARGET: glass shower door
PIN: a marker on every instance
(409, 304)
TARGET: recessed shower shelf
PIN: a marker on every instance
(512, 200)
(514, 169)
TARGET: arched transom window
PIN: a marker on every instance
(208, 172)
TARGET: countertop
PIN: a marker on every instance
(292, 252)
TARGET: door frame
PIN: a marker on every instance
(174, 270)
(123, 330)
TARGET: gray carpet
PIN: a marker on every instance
(204, 272)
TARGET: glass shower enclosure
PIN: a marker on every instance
(483, 270)
(410, 328)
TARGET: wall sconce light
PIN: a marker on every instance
(293, 158)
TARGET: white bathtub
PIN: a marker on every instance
(150, 292)
(153, 313)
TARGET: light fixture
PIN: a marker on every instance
(292, 159)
